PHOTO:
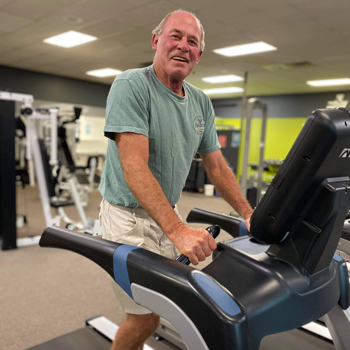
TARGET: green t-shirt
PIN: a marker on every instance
(177, 127)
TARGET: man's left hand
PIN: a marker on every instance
(247, 222)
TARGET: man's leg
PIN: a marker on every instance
(134, 330)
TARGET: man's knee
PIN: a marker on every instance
(145, 323)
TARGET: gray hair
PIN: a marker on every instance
(159, 29)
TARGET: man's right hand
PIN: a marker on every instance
(196, 243)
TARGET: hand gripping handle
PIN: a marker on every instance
(213, 230)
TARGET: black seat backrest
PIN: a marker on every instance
(50, 184)
(66, 155)
(303, 210)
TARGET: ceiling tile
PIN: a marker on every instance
(192, 5)
(15, 55)
(10, 22)
(316, 8)
(37, 9)
(86, 16)
(229, 12)
(43, 59)
(107, 27)
(143, 45)
(338, 22)
(4, 48)
(291, 35)
(274, 19)
(225, 41)
(16, 40)
(114, 7)
(38, 31)
(137, 57)
(43, 48)
(4, 3)
(214, 28)
(149, 13)
(94, 48)
(136, 35)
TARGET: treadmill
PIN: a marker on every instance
(284, 275)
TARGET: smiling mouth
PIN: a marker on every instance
(179, 59)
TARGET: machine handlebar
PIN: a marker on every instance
(213, 230)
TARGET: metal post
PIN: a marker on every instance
(8, 231)
(338, 323)
(263, 106)
(93, 165)
(76, 199)
(246, 149)
(243, 116)
(39, 170)
(53, 153)
(244, 99)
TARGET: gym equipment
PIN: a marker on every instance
(7, 162)
(97, 334)
(285, 275)
(35, 153)
(254, 103)
(213, 230)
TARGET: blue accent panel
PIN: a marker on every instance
(217, 294)
(337, 257)
(285, 236)
(344, 300)
(243, 231)
(344, 285)
(120, 268)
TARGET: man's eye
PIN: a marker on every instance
(192, 42)
(175, 36)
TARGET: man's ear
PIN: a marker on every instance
(155, 39)
(199, 57)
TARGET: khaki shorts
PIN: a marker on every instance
(135, 227)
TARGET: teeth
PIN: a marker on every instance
(179, 58)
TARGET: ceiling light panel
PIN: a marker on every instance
(246, 49)
(70, 39)
(105, 72)
(222, 79)
(329, 82)
(226, 90)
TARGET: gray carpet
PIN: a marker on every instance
(45, 293)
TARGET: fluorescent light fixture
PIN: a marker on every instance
(222, 79)
(70, 39)
(329, 82)
(246, 49)
(226, 90)
(104, 72)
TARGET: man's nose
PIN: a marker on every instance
(183, 44)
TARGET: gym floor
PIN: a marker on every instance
(45, 293)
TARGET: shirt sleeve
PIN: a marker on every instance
(210, 141)
(126, 110)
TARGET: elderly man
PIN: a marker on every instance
(156, 122)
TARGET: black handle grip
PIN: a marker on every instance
(213, 230)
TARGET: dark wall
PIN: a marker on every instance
(281, 106)
(67, 90)
(52, 87)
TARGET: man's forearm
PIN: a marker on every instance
(150, 195)
(225, 182)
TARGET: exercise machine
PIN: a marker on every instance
(284, 275)
(38, 160)
(254, 104)
(8, 230)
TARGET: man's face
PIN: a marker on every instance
(178, 47)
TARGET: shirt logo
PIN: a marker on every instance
(345, 153)
(199, 125)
